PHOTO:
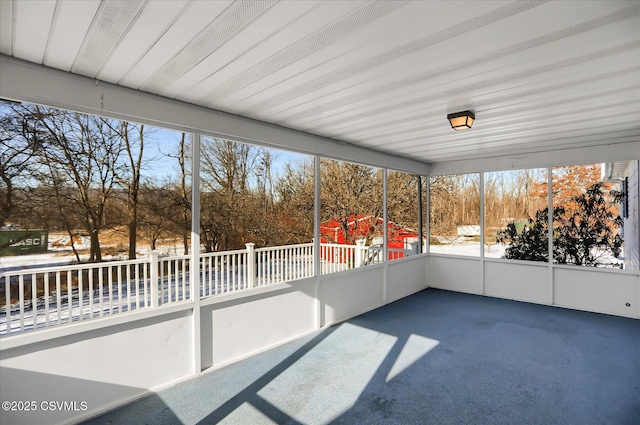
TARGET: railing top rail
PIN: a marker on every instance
(272, 248)
(338, 245)
(174, 257)
(71, 267)
(222, 253)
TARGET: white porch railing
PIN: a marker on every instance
(223, 272)
(283, 263)
(336, 257)
(42, 297)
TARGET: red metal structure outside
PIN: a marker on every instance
(363, 227)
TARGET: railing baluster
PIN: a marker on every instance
(101, 290)
(287, 263)
(184, 280)
(91, 292)
(34, 300)
(264, 260)
(216, 277)
(265, 267)
(167, 266)
(138, 288)
(179, 283)
(58, 296)
(46, 299)
(7, 297)
(278, 265)
(209, 261)
(227, 283)
(70, 295)
(175, 279)
(120, 300)
(234, 275)
(270, 268)
(146, 284)
(187, 280)
(133, 282)
(110, 281)
(171, 282)
(163, 293)
(21, 300)
(129, 297)
(80, 295)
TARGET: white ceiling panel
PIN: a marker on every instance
(6, 27)
(32, 29)
(222, 29)
(110, 25)
(540, 75)
(222, 55)
(186, 27)
(355, 49)
(70, 27)
(287, 44)
(154, 21)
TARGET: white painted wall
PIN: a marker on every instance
(518, 281)
(582, 288)
(597, 290)
(455, 274)
(350, 293)
(236, 328)
(406, 277)
(103, 367)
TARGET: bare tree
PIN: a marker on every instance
(155, 207)
(182, 197)
(82, 153)
(293, 209)
(351, 192)
(17, 146)
(229, 209)
(133, 137)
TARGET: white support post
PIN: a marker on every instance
(385, 235)
(316, 243)
(428, 220)
(482, 234)
(154, 259)
(251, 264)
(194, 270)
(316, 216)
(385, 218)
(360, 249)
(551, 283)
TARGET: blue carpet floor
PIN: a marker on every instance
(435, 357)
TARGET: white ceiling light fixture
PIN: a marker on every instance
(461, 120)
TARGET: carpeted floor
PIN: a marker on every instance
(436, 357)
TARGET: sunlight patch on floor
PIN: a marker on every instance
(322, 393)
(415, 347)
(246, 414)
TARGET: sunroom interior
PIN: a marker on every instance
(552, 85)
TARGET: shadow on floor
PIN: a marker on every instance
(435, 357)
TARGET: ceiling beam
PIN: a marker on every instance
(27, 82)
(605, 152)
